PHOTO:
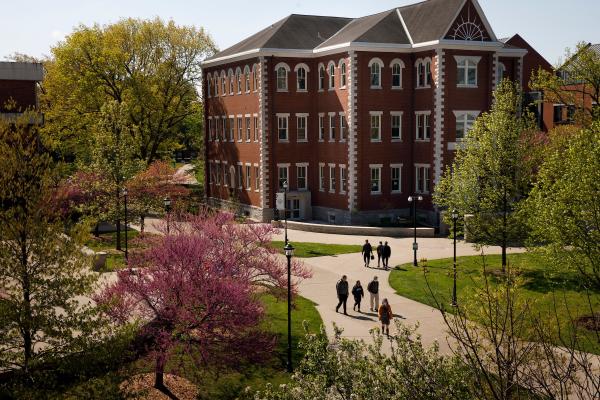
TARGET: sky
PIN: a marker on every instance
(33, 27)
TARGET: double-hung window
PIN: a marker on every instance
(396, 121)
(283, 174)
(256, 129)
(422, 178)
(464, 122)
(223, 84)
(282, 79)
(331, 178)
(256, 76)
(231, 129)
(248, 129)
(332, 127)
(342, 127)
(301, 79)
(301, 175)
(423, 73)
(343, 179)
(256, 178)
(321, 127)
(396, 75)
(375, 126)
(375, 71)
(248, 177)
(375, 178)
(423, 125)
(331, 76)
(282, 127)
(396, 175)
(321, 177)
(240, 129)
(238, 75)
(240, 176)
(466, 71)
(301, 120)
(224, 126)
(321, 77)
(343, 74)
(247, 79)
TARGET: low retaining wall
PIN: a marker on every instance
(356, 230)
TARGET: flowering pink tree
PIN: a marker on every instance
(197, 290)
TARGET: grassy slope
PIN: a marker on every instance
(540, 283)
(307, 250)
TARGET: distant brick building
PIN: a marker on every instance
(356, 114)
(18, 86)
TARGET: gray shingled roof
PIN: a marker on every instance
(595, 47)
(298, 32)
(429, 20)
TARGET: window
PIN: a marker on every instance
(238, 78)
(301, 79)
(423, 73)
(301, 176)
(421, 178)
(375, 179)
(342, 127)
(396, 174)
(500, 72)
(375, 126)
(321, 127)
(331, 76)
(283, 174)
(208, 85)
(210, 131)
(240, 129)
(396, 125)
(256, 129)
(558, 113)
(224, 126)
(225, 175)
(331, 178)
(321, 77)
(397, 66)
(248, 177)
(223, 84)
(218, 173)
(240, 176)
(301, 127)
(466, 71)
(216, 85)
(231, 129)
(256, 77)
(282, 77)
(231, 82)
(321, 177)
(343, 74)
(375, 71)
(332, 127)
(248, 129)
(247, 79)
(256, 178)
(343, 179)
(423, 125)
(464, 122)
(282, 127)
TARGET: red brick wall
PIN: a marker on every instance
(22, 92)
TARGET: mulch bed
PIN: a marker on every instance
(142, 387)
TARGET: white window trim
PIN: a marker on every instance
(371, 168)
(473, 59)
(402, 66)
(238, 79)
(287, 124)
(298, 116)
(319, 88)
(321, 177)
(400, 166)
(428, 166)
(331, 177)
(321, 127)
(396, 114)
(256, 178)
(306, 70)
(254, 75)
(330, 87)
(331, 115)
(376, 60)
(373, 114)
(287, 168)
(423, 61)
(302, 165)
(237, 120)
(287, 77)
(343, 61)
(231, 118)
(247, 73)
(471, 113)
(343, 118)
(343, 168)
(417, 114)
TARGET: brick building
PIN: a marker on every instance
(18, 87)
(356, 114)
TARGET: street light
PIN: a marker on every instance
(454, 219)
(167, 203)
(289, 252)
(126, 249)
(285, 190)
(413, 200)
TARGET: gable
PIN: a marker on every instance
(469, 25)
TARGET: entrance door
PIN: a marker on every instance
(293, 207)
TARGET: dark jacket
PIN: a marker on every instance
(358, 292)
(387, 251)
(342, 288)
(367, 249)
(380, 250)
(373, 287)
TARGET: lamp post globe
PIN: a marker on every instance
(289, 252)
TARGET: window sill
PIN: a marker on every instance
(282, 90)
(248, 141)
(375, 193)
(283, 141)
(332, 192)
(396, 140)
(301, 91)
(375, 140)
(320, 90)
(302, 141)
(423, 87)
(331, 89)
(465, 86)
(396, 87)
(343, 87)
(423, 140)
(321, 140)
(247, 92)
(376, 87)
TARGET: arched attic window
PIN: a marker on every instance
(397, 65)
(375, 67)
(247, 79)
(301, 77)
(282, 70)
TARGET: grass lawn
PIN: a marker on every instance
(540, 283)
(307, 250)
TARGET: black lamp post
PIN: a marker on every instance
(126, 249)
(285, 190)
(167, 203)
(413, 200)
(454, 219)
(289, 252)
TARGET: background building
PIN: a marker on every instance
(356, 114)
(18, 86)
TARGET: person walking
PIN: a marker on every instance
(373, 288)
(387, 253)
(358, 293)
(367, 252)
(385, 316)
(342, 292)
(380, 254)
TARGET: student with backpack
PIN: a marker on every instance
(358, 293)
(385, 316)
(342, 292)
(387, 253)
(373, 288)
(380, 255)
(367, 252)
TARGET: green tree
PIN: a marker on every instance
(491, 173)
(151, 66)
(42, 270)
(564, 205)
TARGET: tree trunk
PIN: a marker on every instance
(27, 318)
(142, 221)
(97, 230)
(118, 223)
(159, 373)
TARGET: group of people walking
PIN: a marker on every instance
(383, 250)
(384, 311)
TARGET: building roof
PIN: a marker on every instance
(422, 22)
(21, 71)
